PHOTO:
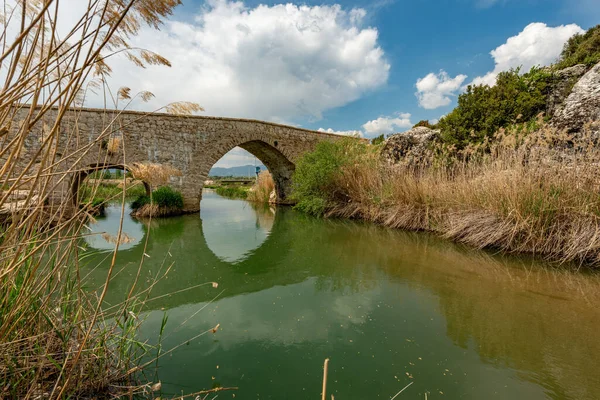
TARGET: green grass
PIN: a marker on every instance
(91, 194)
(233, 192)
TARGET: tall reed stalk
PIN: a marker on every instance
(56, 339)
(262, 188)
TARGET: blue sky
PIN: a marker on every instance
(347, 66)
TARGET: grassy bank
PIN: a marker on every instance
(233, 191)
(102, 192)
(260, 192)
(531, 192)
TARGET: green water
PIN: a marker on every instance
(387, 307)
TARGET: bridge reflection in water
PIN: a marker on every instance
(233, 229)
(387, 307)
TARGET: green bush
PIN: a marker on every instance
(423, 123)
(166, 197)
(140, 201)
(163, 197)
(482, 109)
(378, 139)
(314, 185)
(581, 49)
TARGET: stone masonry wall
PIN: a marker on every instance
(192, 144)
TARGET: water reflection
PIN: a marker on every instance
(103, 231)
(234, 228)
(387, 307)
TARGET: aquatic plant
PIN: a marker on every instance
(163, 201)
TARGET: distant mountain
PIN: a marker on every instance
(244, 170)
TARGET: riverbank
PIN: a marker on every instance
(262, 191)
(518, 195)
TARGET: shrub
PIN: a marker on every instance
(166, 197)
(482, 109)
(378, 139)
(423, 123)
(161, 197)
(581, 49)
(315, 184)
(140, 201)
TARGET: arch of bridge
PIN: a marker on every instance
(192, 144)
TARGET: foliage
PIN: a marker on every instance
(315, 183)
(140, 201)
(515, 193)
(424, 123)
(581, 49)
(232, 192)
(482, 109)
(162, 197)
(166, 197)
(108, 191)
(378, 139)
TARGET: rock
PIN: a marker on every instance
(18, 205)
(562, 85)
(16, 195)
(408, 147)
(582, 105)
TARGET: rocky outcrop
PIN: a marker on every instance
(562, 85)
(582, 105)
(409, 147)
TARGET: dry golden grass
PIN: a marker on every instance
(538, 193)
(114, 145)
(154, 174)
(262, 189)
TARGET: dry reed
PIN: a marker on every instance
(56, 339)
(262, 188)
(537, 193)
(154, 174)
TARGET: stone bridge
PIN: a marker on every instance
(192, 144)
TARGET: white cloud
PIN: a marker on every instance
(387, 124)
(537, 44)
(343, 133)
(279, 63)
(435, 90)
(237, 157)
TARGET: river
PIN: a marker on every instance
(386, 307)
